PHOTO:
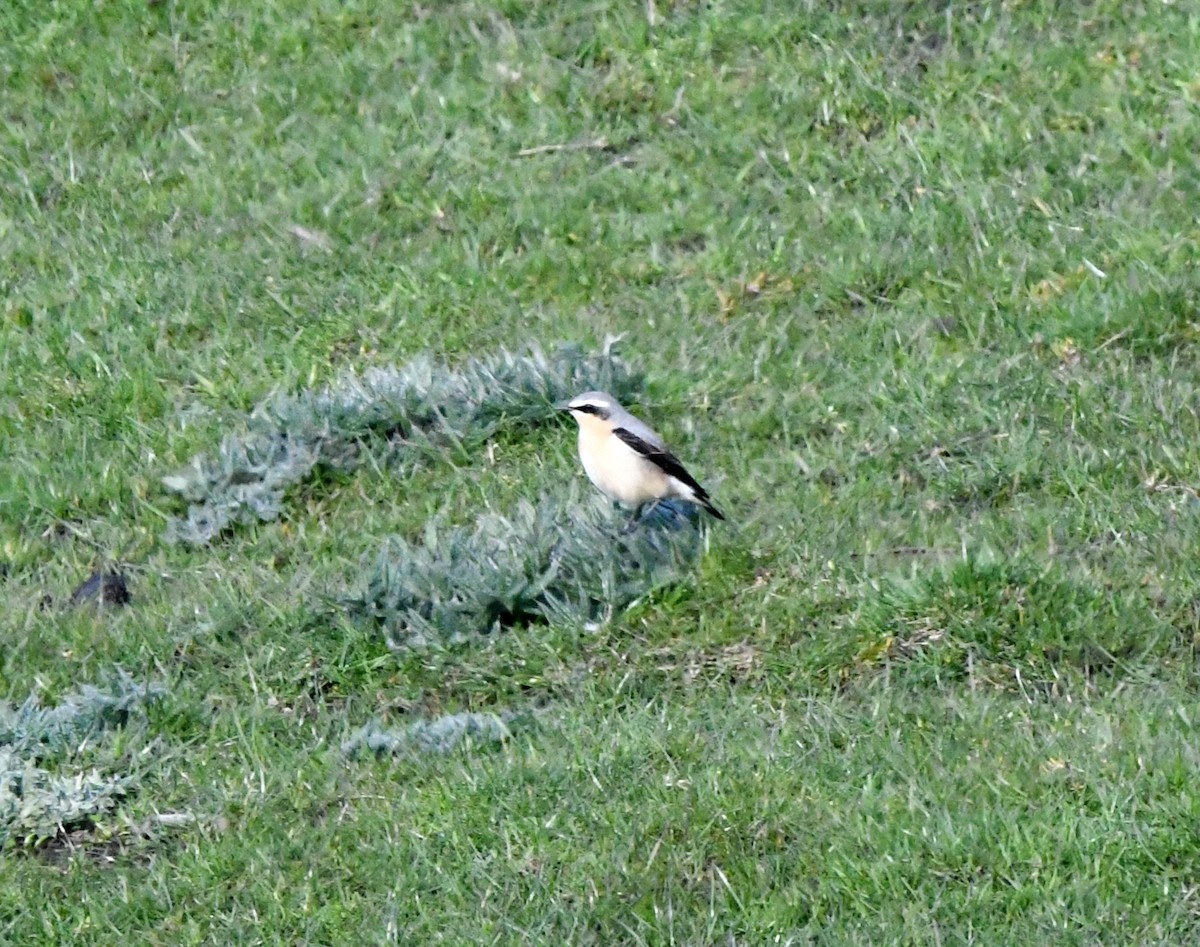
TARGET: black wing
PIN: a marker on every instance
(662, 458)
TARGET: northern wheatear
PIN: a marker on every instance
(626, 459)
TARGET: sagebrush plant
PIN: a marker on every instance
(439, 735)
(560, 560)
(422, 406)
(46, 786)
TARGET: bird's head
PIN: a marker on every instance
(592, 404)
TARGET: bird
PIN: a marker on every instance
(627, 460)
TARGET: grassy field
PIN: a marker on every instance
(913, 288)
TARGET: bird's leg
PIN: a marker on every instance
(640, 515)
(633, 521)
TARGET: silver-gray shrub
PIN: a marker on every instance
(562, 560)
(425, 406)
(45, 787)
(439, 735)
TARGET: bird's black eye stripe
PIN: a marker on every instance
(591, 409)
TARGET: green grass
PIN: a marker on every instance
(914, 289)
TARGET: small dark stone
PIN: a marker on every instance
(108, 588)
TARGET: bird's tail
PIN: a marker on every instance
(708, 505)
